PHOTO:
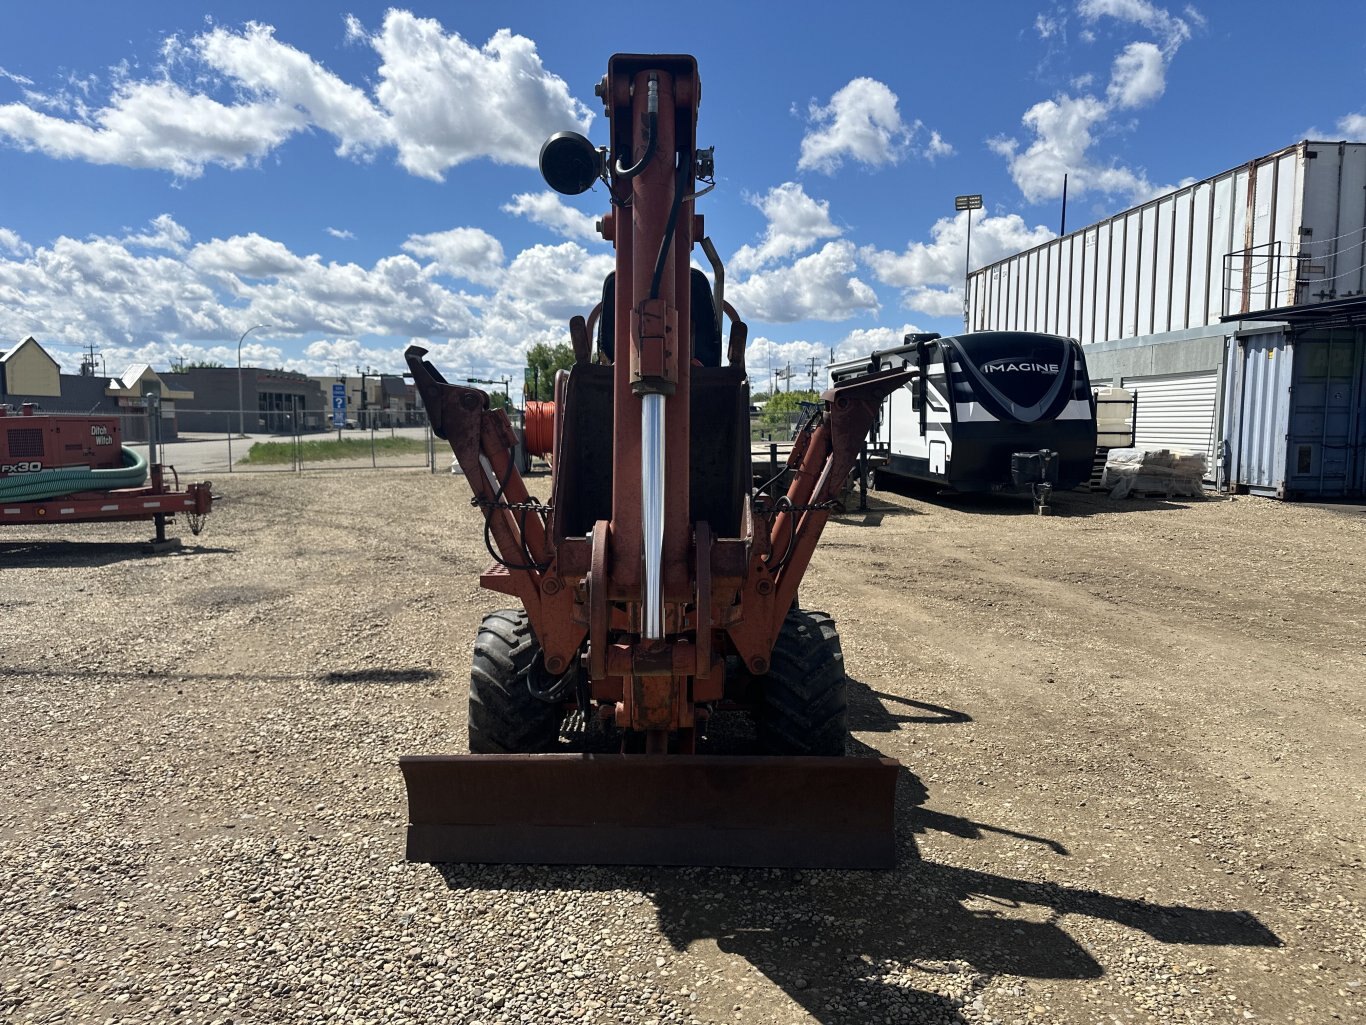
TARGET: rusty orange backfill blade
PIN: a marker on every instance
(721, 810)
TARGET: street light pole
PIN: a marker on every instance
(241, 408)
(968, 203)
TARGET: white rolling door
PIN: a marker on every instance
(1176, 411)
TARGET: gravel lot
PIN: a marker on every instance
(1133, 735)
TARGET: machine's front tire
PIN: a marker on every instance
(505, 718)
(803, 706)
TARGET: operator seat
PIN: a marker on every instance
(706, 332)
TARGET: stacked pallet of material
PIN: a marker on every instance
(1166, 473)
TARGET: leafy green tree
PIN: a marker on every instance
(784, 406)
(499, 400)
(203, 364)
(542, 361)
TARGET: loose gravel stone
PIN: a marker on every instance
(1134, 786)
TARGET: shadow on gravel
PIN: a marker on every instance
(873, 515)
(1063, 503)
(868, 712)
(16, 554)
(380, 676)
(839, 944)
(359, 676)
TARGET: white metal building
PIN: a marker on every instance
(1157, 293)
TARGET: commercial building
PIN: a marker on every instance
(375, 400)
(29, 374)
(1234, 307)
(272, 401)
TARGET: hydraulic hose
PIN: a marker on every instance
(680, 183)
(625, 173)
(35, 487)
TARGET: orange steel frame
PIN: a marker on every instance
(583, 595)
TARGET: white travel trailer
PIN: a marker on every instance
(988, 411)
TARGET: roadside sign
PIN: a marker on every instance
(339, 406)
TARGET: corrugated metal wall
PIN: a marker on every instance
(1285, 229)
(1176, 411)
(1295, 413)
(1257, 410)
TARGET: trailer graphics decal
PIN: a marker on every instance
(1006, 366)
(1015, 375)
(30, 466)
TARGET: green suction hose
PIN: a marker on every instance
(35, 487)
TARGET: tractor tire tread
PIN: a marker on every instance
(804, 706)
(504, 717)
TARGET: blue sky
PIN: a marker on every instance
(361, 176)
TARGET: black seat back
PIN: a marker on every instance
(706, 332)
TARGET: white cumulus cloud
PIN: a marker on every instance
(123, 293)
(1065, 128)
(796, 222)
(1170, 30)
(162, 233)
(434, 98)
(821, 286)
(258, 61)
(10, 242)
(1353, 127)
(469, 253)
(541, 289)
(141, 304)
(549, 211)
(861, 122)
(930, 274)
(937, 147)
(157, 125)
(450, 102)
(1138, 77)
(249, 256)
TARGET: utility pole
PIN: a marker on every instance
(93, 359)
(813, 361)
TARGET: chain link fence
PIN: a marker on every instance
(779, 427)
(209, 442)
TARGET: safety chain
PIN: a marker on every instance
(531, 505)
(831, 504)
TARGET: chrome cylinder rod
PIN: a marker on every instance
(652, 512)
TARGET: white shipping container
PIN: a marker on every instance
(1286, 229)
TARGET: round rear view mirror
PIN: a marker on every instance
(569, 163)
